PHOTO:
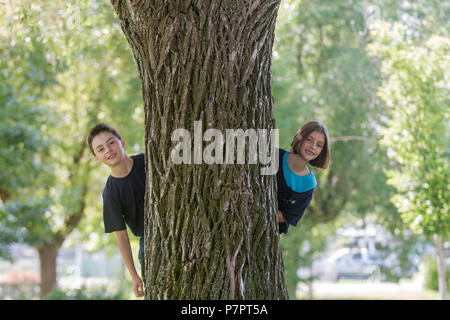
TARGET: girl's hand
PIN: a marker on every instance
(280, 217)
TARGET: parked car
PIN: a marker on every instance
(355, 263)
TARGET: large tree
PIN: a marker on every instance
(210, 229)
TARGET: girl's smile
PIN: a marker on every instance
(312, 146)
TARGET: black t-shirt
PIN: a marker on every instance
(291, 204)
(123, 200)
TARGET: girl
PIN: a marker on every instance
(295, 181)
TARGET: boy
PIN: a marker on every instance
(123, 195)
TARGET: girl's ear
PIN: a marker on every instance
(122, 142)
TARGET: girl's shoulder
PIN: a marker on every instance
(282, 151)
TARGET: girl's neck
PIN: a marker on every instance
(123, 168)
(297, 164)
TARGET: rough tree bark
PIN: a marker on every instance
(210, 230)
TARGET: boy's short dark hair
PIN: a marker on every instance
(97, 129)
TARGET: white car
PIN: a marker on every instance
(352, 263)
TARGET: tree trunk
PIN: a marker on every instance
(440, 259)
(47, 256)
(210, 229)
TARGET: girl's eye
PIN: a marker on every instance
(112, 142)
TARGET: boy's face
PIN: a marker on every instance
(108, 148)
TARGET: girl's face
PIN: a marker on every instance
(312, 146)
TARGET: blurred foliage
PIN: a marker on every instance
(431, 273)
(331, 79)
(24, 77)
(322, 70)
(401, 256)
(70, 68)
(84, 293)
(65, 66)
(417, 133)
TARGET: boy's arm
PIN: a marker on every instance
(125, 249)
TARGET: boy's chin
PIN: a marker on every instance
(112, 162)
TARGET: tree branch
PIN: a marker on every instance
(349, 138)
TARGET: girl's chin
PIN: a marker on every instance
(308, 157)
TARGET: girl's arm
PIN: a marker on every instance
(280, 217)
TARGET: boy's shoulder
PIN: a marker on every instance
(114, 186)
(139, 158)
(110, 188)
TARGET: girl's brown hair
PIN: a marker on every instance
(323, 159)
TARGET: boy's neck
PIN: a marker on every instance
(122, 168)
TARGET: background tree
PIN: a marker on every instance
(211, 230)
(416, 133)
(322, 70)
(84, 51)
(25, 76)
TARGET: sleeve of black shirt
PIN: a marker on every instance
(112, 214)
